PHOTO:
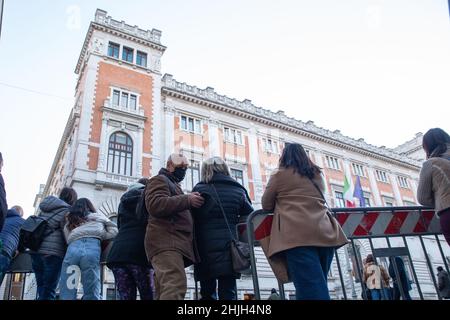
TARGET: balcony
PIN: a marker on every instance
(137, 113)
(114, 180)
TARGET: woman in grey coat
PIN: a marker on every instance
(47, 261)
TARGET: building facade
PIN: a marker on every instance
(128, 118)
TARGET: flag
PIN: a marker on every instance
(358, 193)
(348, 191)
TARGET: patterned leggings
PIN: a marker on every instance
(130, 277)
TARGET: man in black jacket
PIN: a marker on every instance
(3, 203)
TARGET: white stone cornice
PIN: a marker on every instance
(245, 109)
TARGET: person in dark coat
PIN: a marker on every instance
(443, 283)
(127, 258)
(3, 203)
(10, 238)
(405, 283)
(47, 261)
(212, 234)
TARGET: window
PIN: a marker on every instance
(113, 50)
(127, 54)
(233, 136)
(403, 182)
(124, 100)
(339, 196)
(381, 176)
(388, 202)
(237, 175)
(191, 124)
(409, 203)
(120, 154)
(141, 59)
(367, 201)
(270, 145)
(333, 163)
(192, 176)
(358, 170)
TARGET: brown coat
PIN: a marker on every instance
(300, 214)
(170, 224)
(434, 183)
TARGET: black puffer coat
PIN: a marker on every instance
(211, 232)
(128, 245)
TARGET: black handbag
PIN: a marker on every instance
(240, 251)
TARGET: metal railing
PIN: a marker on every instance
(366, 224)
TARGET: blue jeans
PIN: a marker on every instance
(5, 261)
(82, 259)
(308, 268)
(47, 270)
(227, 288)
(377, 295)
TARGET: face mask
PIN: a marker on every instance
(179, 174)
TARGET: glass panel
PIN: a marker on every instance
(116, 95)
(183, 123)
(141, 59)
(127, 54)
(113, 50)
(239, 137)
(124, 100)
(133, 99)
(197, 126)
(191, 124)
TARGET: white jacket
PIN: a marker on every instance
(97, 226)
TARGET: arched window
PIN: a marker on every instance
(120, 154)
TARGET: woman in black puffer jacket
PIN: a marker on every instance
(127, 258)
(212, 235)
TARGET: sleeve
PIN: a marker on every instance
(384, 274)
(66, 232)
(425, 194)
(110, 230)
(160, 203)
(246, 208)
(270, 194)
(3, 203)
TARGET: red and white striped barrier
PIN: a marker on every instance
(364, 224)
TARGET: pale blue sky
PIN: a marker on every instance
(374, 69)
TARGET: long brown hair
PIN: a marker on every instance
(78, 213)
(294, 156)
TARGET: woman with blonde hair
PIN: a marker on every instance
(226, 201)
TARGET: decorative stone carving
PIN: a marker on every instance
(97, 45)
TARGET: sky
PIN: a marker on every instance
(373, 69)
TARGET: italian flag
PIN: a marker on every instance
(348, 191)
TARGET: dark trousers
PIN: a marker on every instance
(308, 268)
(444, 219)
(227, 288)
(5, 261)
(130, 278)
(47, 270)
(396, 295)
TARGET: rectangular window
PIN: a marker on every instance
(409, 203)
(237, 175)
(192, 176)
(381, 176)
(113, 50)
(333, 163)
(133, 100)
(191, 124)
(358, 170)
(141, 59)
(233, 136)
(367, 201)
(270, 145)
(124, 100)
(403, 182)
(339, 196)
(388, 202)
(127, 54)
(116, 96)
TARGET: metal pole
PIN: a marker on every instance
(416, 279)
(250, 236)
(430, 267)
(442, 253)
(196, 290)
(282, 293)
(361, 278)
(2, 2)
(341, 277)
(349, 270)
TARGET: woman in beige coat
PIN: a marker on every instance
(303, 232)
(434, 183)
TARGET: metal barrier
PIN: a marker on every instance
(368, 224)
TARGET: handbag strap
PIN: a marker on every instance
(321, 193)
(223, 212)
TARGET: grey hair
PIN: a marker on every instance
(213, 165)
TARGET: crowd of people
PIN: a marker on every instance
(161, 230)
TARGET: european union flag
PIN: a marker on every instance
(358, 193)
